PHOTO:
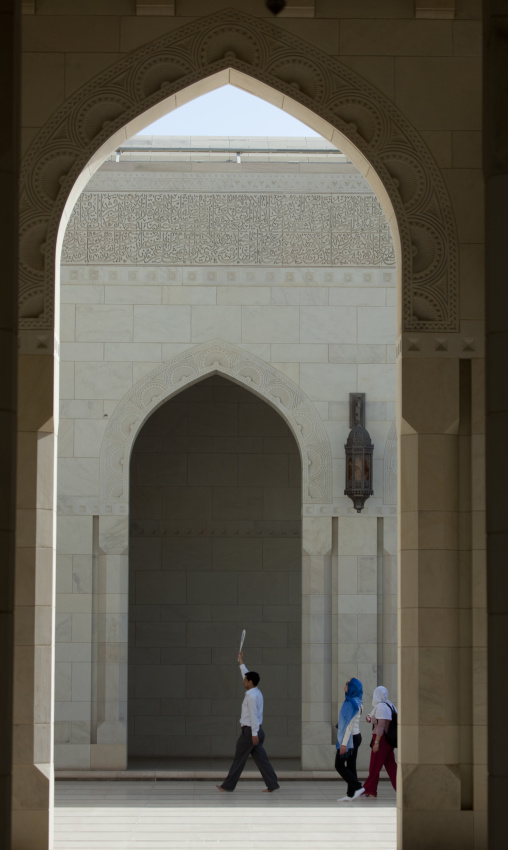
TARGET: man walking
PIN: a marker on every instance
(252, 735)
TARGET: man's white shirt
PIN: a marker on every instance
(252, 706)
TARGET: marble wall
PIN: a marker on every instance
(329, 330)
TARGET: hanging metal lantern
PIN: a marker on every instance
(359, 454)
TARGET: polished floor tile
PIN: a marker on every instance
(193, 815)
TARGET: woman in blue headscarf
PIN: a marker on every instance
(349, 738)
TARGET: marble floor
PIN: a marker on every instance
(176, 815)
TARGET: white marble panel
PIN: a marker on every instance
(64, 573)
(82, 574)
(82, 351)
(78, 476)
(211, 322)
(391, 297)
(88, 434)
(296, 353)
(67, 322)
(377, 325)
(244, 295)
(81, 409)
(66, 438)
(360, 653)
(113, 535)
(72, 710)
(103, 322)
(347, 625)
(132, 294)
(162, 323)
(139, 370)
(291, 370)
(189, 295)
(76, 756)
(300, 295)
(357, 604)
(66, 380)
(74, 535)
(270, 324)
(328, 324)
(81, 675)
(357, 297)
(82, 294)
(377, 381)
(327, 382)
(63, 681)
(103, 380)
(357, 353)
(367, 627)
(134, 351)
(81, 628)
(73, 651)
(348, 574)
(358, 536)
(259, 349)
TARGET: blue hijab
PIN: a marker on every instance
(351, 706)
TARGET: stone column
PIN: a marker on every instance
(433, 667)
(108, 749)
(318, 753)
(496, 215)
(9, 165)
(34, 614)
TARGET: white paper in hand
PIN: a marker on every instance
(242, 640)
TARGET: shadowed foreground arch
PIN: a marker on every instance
(261, 58)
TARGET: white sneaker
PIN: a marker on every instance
(345, 799)
(358, 793)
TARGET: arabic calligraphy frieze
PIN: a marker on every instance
(253, 229)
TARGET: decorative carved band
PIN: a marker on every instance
(263, 51)
(210, 358)
(254, 229)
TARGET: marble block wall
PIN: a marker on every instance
(330, 330)
(215, 547)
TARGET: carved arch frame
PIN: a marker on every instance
(350, 112)
(241, 367)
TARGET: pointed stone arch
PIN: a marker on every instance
(216, 357)
(235, 47)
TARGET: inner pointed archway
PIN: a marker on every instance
(215, 547)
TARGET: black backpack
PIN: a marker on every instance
(391, 732)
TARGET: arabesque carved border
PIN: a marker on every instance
(261, 50)
(186, 369)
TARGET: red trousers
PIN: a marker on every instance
(383, 758)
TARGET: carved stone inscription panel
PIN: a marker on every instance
(184, 228)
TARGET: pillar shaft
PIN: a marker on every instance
(9, 93)
(496, 313)
(434, 654)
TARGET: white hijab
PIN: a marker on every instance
(379, 698)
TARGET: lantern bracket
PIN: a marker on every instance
(356, 409)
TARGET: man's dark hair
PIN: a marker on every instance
(253, 677)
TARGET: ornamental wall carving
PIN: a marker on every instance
(263, 51)
(247, 229)
(210, 358)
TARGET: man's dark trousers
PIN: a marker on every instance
(244, 748)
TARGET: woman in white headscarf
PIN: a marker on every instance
(381, 751)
